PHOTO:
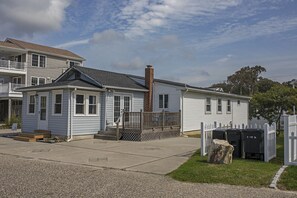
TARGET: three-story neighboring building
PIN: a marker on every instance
(26, 64)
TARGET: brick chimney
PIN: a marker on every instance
(148, 96)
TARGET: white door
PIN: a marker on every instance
(121, 103)
(43, 111)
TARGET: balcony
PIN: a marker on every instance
(9, 90)
(13, 66)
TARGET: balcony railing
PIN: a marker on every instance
(10, 88)
(13, 65)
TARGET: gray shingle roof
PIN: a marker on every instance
(110, 79)
(76, 83)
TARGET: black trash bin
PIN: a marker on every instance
(253, 141)
(234, 138)
(219, 134)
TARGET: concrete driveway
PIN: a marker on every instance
(157, 157)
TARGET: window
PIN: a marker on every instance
(17, 80)
(238, 102)
(228, 106)
(58, 103)
(38, 60)
(219, 105)
(35, 60)
(37, 81)
(92, 105)
(34, 81)
(208, 105)
(31, 109)
(163, 101)
(41, 61)
(80, 104)
(41, 81)
(116, 108)
(74, 63)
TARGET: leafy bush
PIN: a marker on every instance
(13, 119)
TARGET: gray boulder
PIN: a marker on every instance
(220, 152)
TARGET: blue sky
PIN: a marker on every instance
(199, 42)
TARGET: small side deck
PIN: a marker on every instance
(144, 126)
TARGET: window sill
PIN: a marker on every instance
(219, 112)
(30, 114)
(228, 112)
(208, 113)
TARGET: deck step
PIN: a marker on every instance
(24, 139)
(34, 135)
(105, 136)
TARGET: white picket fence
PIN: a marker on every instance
(269, 137)
(290, 140)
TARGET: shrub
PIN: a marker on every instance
(13, 119)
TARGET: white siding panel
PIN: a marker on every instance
(174, 95)
(195, 107)
(29, 122)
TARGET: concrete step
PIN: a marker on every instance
(24, 139)
(105, 136)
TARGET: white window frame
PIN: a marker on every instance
(86, 103)
(96, 104)
(38, 65)
(19, 78)
(54, 93)
(206, 104)
(219, 112)
(163, 102)
(37, 80)
(28, 102)
(228, 106)
(79, 63)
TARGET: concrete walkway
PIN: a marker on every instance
(157, 157)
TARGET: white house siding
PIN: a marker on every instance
(29, 122)
(194, 111)
(136, 106)
(86, 124)
(58, 124)
(174, 97)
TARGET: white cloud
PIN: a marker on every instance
(107, 36)
(144, 16)
(73, 43)
(19, 18)
(135, 63)
(231, 33)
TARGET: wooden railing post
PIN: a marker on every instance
(163, 120)
(123, 120)
(141, 120)
(118, 132)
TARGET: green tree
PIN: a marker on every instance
(244, 81)
(271, 104)
(265, 84)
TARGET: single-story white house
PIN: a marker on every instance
(83, 101)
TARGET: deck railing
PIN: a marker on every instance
(13, 65)
(150, 120)
(10, 88)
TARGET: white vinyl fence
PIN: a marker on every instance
(269, 137)
(290, 140)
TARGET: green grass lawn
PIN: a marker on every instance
(240, 172)
(288, 179)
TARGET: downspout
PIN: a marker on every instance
(71, 116)
(182, 111)
(105, 111)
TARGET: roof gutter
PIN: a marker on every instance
(126, 88)
(219, 93)
(59, 87)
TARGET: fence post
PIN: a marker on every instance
(202, 150)
(118, 132)
(266, 127)
(220, 125)
(286, 139)
(215, 124)
(163, 120)
(141, 120)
